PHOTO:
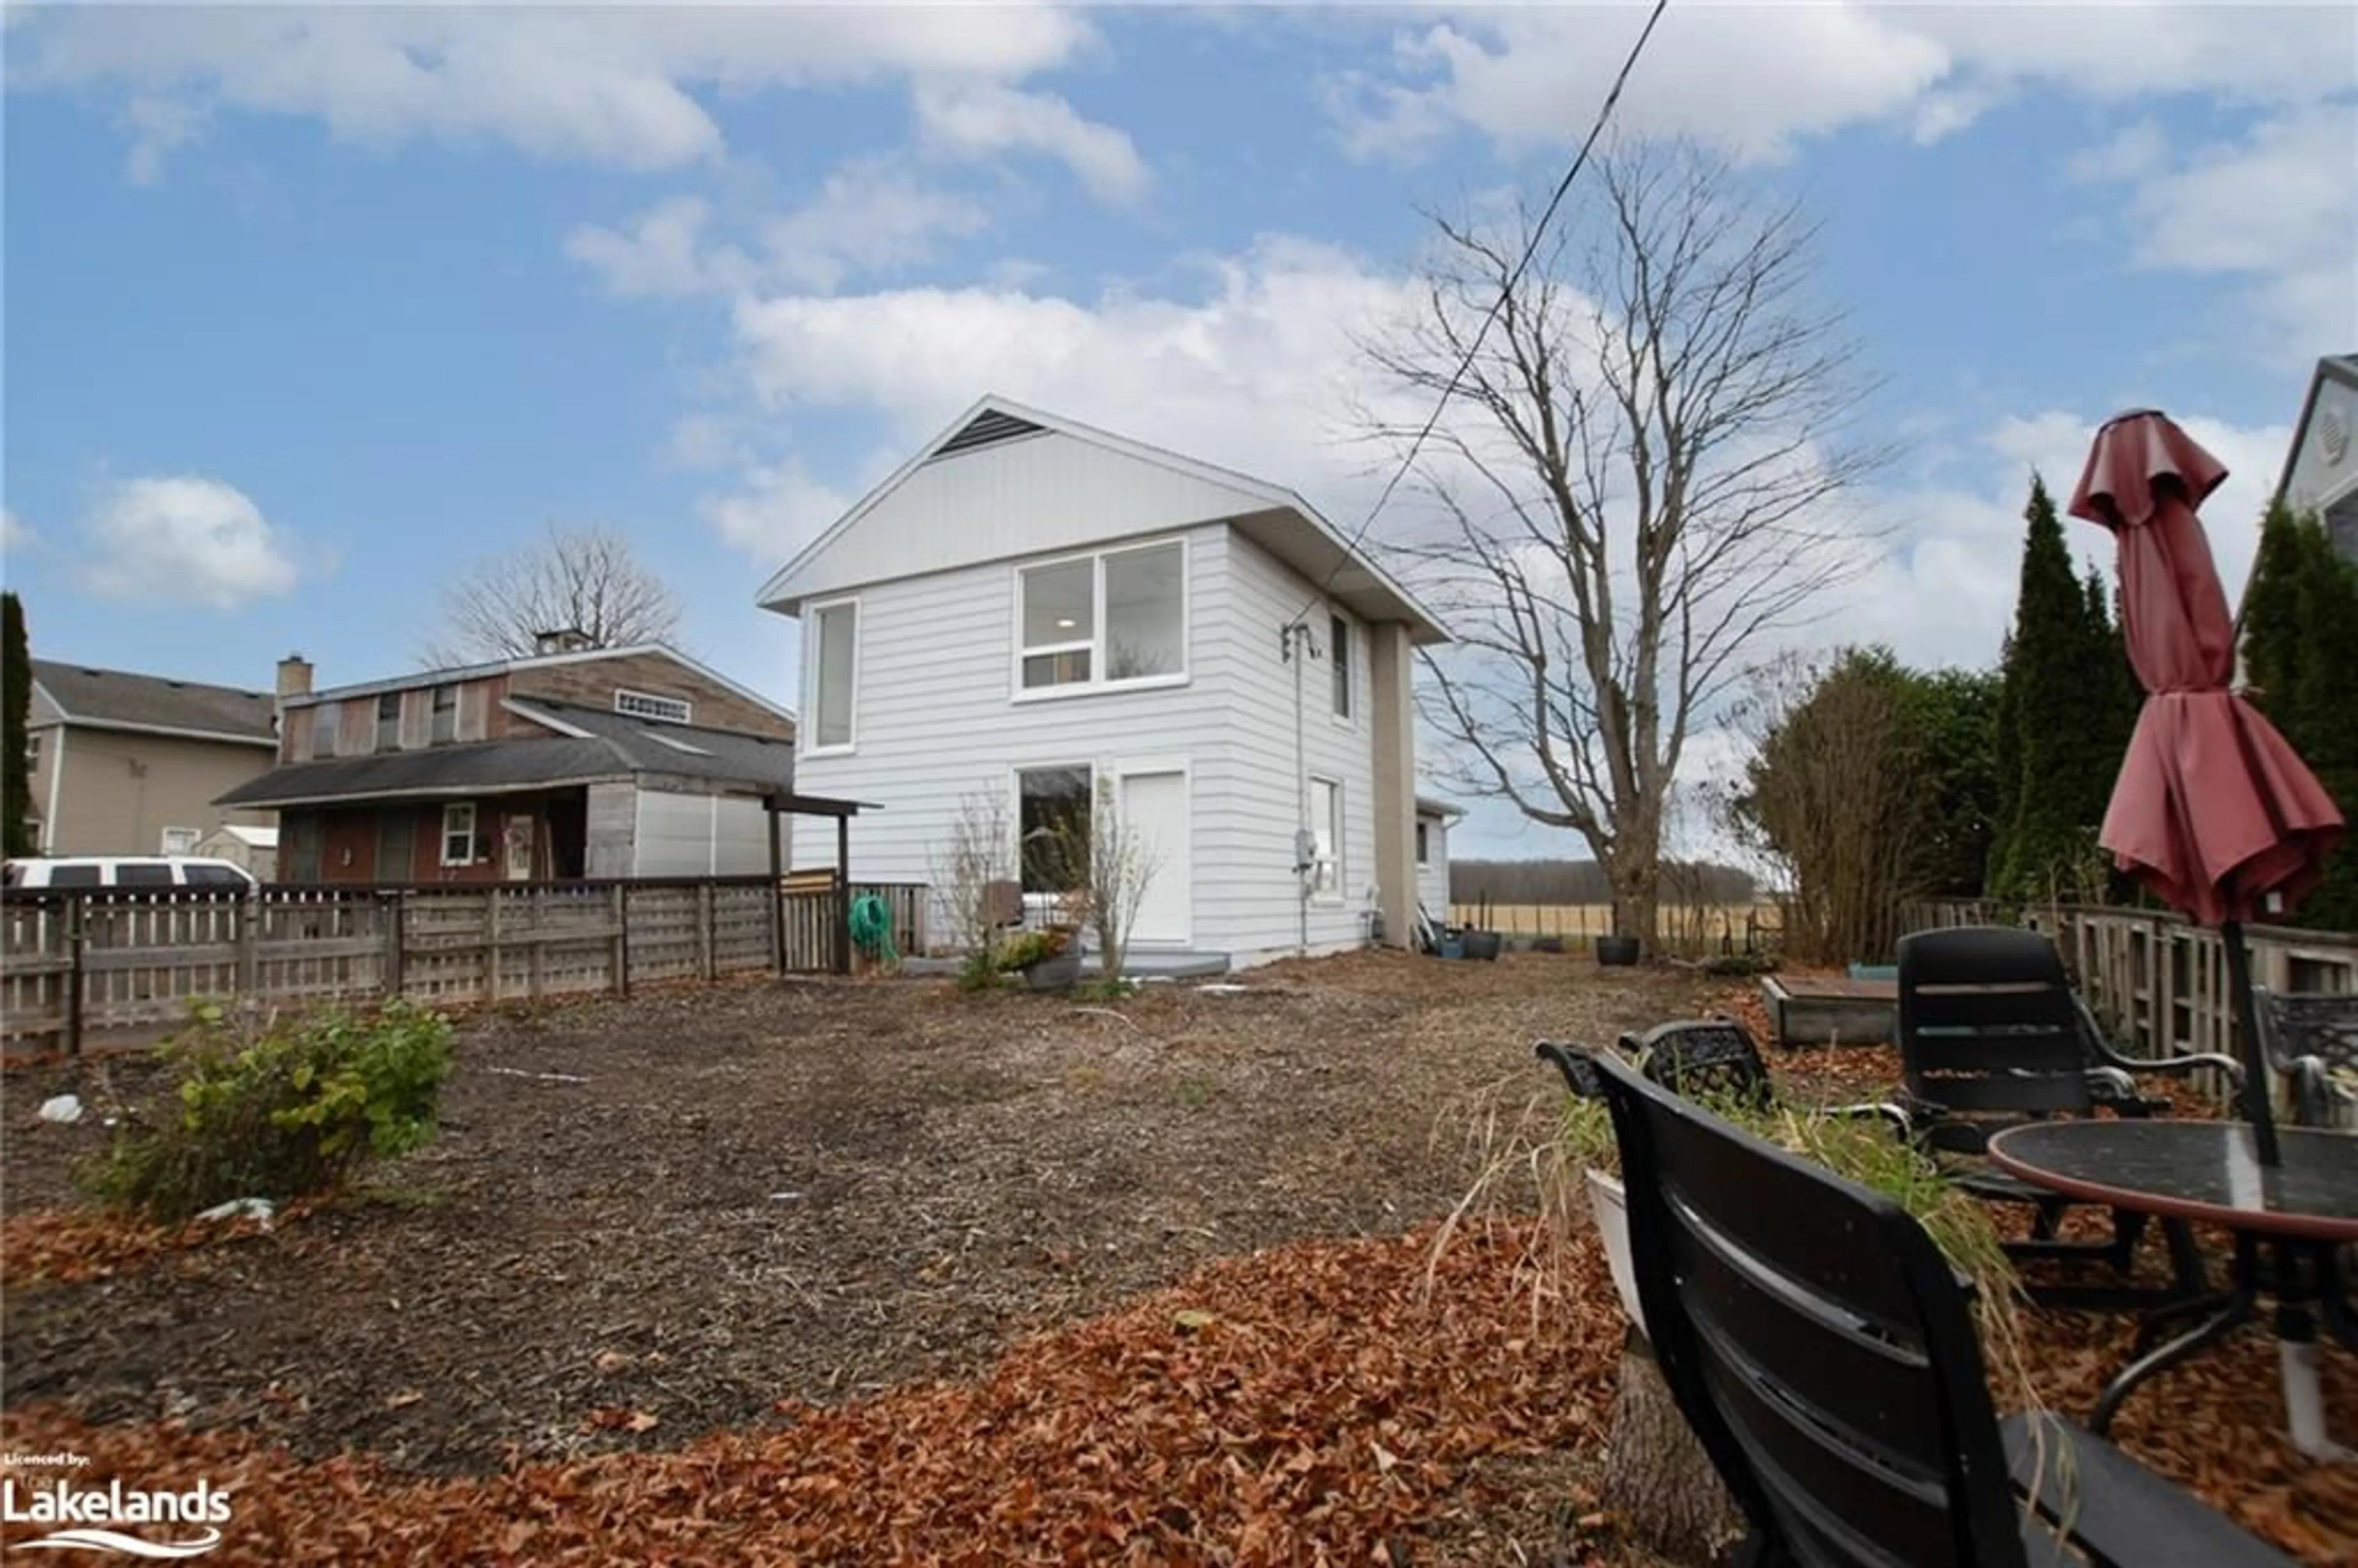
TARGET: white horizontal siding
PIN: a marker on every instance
(1432, 877)
(1033, 496)
(935, 721)
(1248, 847)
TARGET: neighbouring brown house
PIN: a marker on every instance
(131, 764)
(576, 761)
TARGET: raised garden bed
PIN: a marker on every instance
(1830, 1010)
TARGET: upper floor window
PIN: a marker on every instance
(834, 674)
(1108, 619)
(646, 705)
(324, 720)
(388, 722)
(1338, 640)
(445, 714)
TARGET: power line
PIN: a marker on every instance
(1530, 249)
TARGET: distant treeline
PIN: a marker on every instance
(1583, 882)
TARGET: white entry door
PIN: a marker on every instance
(1155, 808)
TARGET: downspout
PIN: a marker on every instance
(56, 773)
(1295, 634)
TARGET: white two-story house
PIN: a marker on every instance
(1030, 611)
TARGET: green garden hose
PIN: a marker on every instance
(871, 928)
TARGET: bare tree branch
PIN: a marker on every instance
(1642, 483)
(577, 579)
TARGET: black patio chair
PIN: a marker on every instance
(1818, 1343)
(1710, 1058)
(1992, 1035)
(2311, 1040)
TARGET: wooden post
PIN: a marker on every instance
(777, 893)
(620, 901)
(492, 944)
(249, 948)
(704, 964)
(537, 965)
(75, 910)
(843, 896)
(390, 911)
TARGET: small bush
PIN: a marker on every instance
(1028, 947)
(980, 971)
(286, 1109)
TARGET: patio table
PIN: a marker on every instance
(2209, 1171)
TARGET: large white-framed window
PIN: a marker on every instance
(833, 679)
(1327, 839)
(1111, 619)
(1338, 653)
(459, 833)
(1051, 827)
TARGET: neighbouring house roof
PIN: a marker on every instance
(593, 744)
(251, 837)
(1274, 516)
(1427, 805)
(154, 705)
(538, 661)
(2343, 368)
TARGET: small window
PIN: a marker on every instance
(646, 705)
(1052, 822)
(388, 722)
(33, 752)
(178, 841)
(1326, 834)
(73, 876)
(1423, 844)
(446, 715)
(1338, 637)
(459, 833)
(835, 656)
(324, 720)
(142, 874)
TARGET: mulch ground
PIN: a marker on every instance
(882, 1272)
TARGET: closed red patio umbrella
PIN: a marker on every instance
(2213, 809)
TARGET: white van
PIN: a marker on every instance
(128, 871)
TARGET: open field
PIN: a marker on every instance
(1682, 924)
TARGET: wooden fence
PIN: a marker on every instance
(81, 964)
(2160, 980)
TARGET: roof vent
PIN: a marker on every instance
(564, 639)
(988, 428)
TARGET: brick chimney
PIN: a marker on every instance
(294, 676)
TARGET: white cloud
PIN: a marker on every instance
(1755, 79)
(184, 540)
(661, 252)
(13, 533)
(982, 120)
(605, 84)
(2276, 208)
(157, 126)
(871, 216)
(702, 441)
(778, 509)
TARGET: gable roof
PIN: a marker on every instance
(531, 661)
(591, 743)
(1278, 518)
(2343, 368)
(155, 705)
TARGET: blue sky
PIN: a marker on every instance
(306, 311)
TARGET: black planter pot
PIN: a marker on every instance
(1616, 950)
(1057, 974)
(1482, 944)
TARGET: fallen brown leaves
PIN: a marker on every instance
(62, 1248)
(1305, 1404)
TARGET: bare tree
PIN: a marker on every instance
(1635, 487)
(1105, 865)
(585, 580)
(980, 855)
